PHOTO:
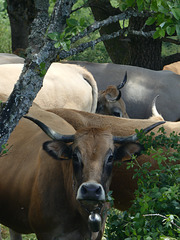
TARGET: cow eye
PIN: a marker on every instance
(75, 158)
(110, 159)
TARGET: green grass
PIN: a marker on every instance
(5, 234)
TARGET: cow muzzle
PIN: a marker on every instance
(90, 194)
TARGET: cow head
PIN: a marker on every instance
(110, 101)
(93, 152)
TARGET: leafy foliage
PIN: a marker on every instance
(73, 28)
(5, 36)
(155, 213)
(164, 14)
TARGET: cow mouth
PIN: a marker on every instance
(91, 205)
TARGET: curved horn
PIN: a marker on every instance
(50, 132)
(118, 88)
(134, 137)
(121, 85)
(154, 109)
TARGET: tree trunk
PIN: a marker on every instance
(21, 15)
(134, 50)
(117, 48)
(144, 52)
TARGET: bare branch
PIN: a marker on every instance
(83, 46)
(177, 42)
(97, 25)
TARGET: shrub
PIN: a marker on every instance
(155, 213)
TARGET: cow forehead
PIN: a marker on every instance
(93, 140)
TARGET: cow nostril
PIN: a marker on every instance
(116, 114)
(84, 190)
(98, 191)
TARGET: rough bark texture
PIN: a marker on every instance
(30, 81)
(21, 14)
(134, 50)
(144, 52)
(117, 48)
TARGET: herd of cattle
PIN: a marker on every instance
(59, 168)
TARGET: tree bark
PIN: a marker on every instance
(132, 50)
(144, 52)
(117, 48)
(31, 78)
(21, 15)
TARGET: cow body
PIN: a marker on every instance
(141, 88)
(123, 185)
(173, 67)
(68, 86)
(42, 189)
(8, 58)
(42, 195)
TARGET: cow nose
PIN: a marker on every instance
(116, 112)
(91, 192)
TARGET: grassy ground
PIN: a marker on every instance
(5, 234)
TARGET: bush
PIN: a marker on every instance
(155, 213)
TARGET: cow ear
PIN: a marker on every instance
(125, 151)
(58, 150)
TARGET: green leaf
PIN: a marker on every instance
(57, 45)
(42, 69)
(153, 6)
(161, 32)
(140, 4)
(66, 45)
(170, 30)
(83, 22)
(176, 13)
(54, 36)
(178, 29)
(130, 3)
(71, 22)
(150, 20)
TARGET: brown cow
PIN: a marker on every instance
(52, 187)
(110, 101)
(173, 67)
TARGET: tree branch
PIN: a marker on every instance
(162, 216)
(30, 81)
(97, 25)
(177, 42)
(64, 54)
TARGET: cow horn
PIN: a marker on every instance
(134, 137)
(123, 82)
(118, 88)
(154, 109)
(50, 132)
